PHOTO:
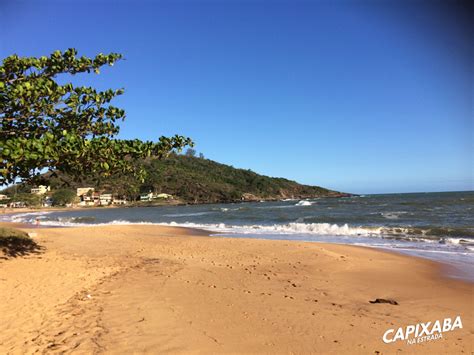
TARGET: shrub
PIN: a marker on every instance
(63, 197)
(14, 242)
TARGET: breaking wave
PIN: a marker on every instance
(304, 203)
(393, 215)
(461, 237)
(457, 234)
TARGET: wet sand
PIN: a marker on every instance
(150, 289)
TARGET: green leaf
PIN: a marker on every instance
(52, 126)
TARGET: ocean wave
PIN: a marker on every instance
(304, 203)
(27, 217)
(328, 229)
(228, 209)
(462, 237)
(393, 215)
(191, 214)
(461, 241)
(71, 223)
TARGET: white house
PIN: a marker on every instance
(105, 199)
(40, 190)
(89, 200)
(119, 201)
(146, 197)
(151, 196)
(83, 191)
(48, 202)
(3, 197)
(18, 204)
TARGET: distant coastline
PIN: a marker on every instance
(136, 204)
(187, 180)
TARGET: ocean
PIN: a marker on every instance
(438, 226)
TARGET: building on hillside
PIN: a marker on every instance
(4, 197)
(119, 201)
(151, 196)
(40, 190)
(18, 204)
(146, 197)
(47, 202)
(92, 199)
(84, 190)
(105, 199)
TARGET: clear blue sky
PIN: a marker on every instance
(359, 96)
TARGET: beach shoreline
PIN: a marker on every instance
(447, 269)
(147, 289)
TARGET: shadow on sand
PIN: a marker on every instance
(14, 246)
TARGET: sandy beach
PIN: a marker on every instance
(149, 289)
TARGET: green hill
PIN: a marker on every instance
(197, 180)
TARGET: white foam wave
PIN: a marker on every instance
(187, 214)
(304, 203)
(460, 241)
(66, 223)
(290, 228)
(296, 228)
(226, 209)
(392, 215)
(27, 217)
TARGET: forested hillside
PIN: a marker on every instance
(195, 180)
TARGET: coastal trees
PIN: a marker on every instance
(62, 197)
(190, 152)
(30, 200)
(48, 123)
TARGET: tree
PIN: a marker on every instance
(30, 200)
(190, 152)
(62, 197)
(46, 125)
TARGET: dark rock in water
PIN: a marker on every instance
(383, 300)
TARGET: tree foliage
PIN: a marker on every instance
(195, 180)
(31, 200)
(47, 124)
(63, 197)
(190, 152)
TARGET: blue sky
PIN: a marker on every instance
(359, 96)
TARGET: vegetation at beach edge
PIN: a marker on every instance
(14, 242)
(63, 135)
(48, 123)
(188, 178)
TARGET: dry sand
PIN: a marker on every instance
(149, 289)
